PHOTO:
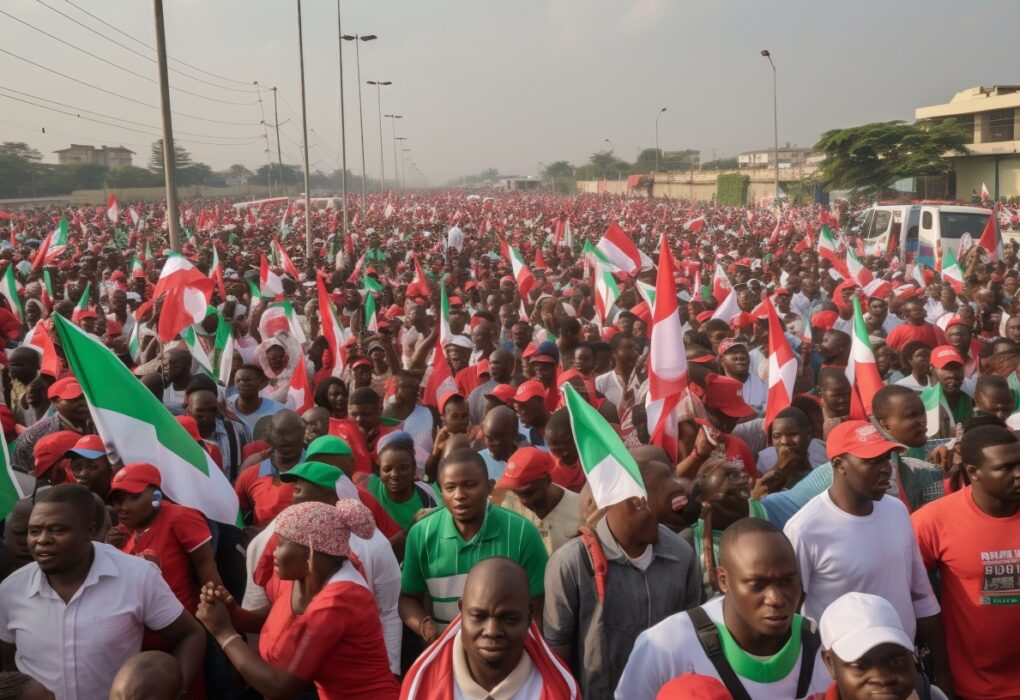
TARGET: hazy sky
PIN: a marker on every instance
(500, 84)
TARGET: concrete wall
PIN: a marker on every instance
(698, 184)
(971, 171)
(130, 195)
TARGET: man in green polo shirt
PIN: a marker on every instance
(444, 545)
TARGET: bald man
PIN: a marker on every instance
(493, 648)
(502, 437)
(261, 494)
(150, 675)
(316, 420)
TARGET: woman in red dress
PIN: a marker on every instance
(323, 627)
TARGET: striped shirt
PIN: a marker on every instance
(437, 559)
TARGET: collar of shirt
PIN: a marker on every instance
(506, 689)
(614, 551)
(448, 530)
(267, 467)
(39, 585)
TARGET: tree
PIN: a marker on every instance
(557, 169)
(195, 174)
(603, 164)
(668, 161)
(182, 158)
(870, 157)
(239, 173)
(20, 149)
(133, 176)
(720, 164)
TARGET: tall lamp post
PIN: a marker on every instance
(304, 140)
(378, 93)
(343, 125)
(393, 130)
(612, 150)
(403, 183)
(775, 118)
(657, 138)
(356, 38)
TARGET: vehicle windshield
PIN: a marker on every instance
(955, 224)
(879, 223)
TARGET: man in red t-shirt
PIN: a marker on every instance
(362, 428)
(916, 327)
(175, 538)
(972, 537)
(260, 492)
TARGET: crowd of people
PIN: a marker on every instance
(423, 422)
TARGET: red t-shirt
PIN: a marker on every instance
(173, 535)
(978, 558)
(365, 456)
(929, 334)
(567, 476)
(337, 643)
(262, 494)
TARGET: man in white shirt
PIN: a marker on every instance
(854, 537)
(764, 649)
(73, 617)
(455, 239)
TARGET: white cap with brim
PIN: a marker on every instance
(856, 623)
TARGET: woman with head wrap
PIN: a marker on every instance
(323, 627)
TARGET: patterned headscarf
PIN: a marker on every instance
(325, 528)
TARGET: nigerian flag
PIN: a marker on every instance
(223, 350)
(371, 317)
(190, 339)
(608, 466)
(934, 400)
(9, 288)
(136, 427)
(10, 491)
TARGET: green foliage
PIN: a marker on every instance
(20, 149)
(645, 162)
(720, 164)
(870, 157)
(731, 188)
(133, 176)
(559, 168)
(182, 158)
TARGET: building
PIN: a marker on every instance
(992, 118)
(521, 184)
(108, 156)
(789, 157)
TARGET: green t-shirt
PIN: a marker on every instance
(404, 512)
(437, 559)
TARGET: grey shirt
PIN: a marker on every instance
(601, 634)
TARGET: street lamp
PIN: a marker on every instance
(775, 118)
(393, 128)
(612, 149)
(361, 115)
(343, 125)
(404, 158)
(657, 138)
(399, 172)
(378, 92)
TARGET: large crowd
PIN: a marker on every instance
(519, 446)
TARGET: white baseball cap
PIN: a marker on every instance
(856, 623)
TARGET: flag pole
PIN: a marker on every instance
(304, 140)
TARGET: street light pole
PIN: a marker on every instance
(657, 138)
(343, 123)
(393, 128)
(169, 159)
(304, 139)
(612, 150)
(403, 165)
(775, 118)
(382, 167)
(398, 173)
(361, 112)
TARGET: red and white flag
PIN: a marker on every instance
(985, 194)
(621, 250)
(299, 393)
(525, 280)
(695, 225)
(782, 368)
(418, 287)
(990, 239)
(113, 209)
(283, 260)
(721, 286)
(270, 284)
(667, 361)
(862, 371)
(441, 378)
(332, 331)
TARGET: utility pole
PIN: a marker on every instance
(343, 124)
(304, 139)
(382, 163)
(172, 216)
(279, 153)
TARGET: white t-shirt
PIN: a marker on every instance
(75, 650)
(671, 648)
(838, 553)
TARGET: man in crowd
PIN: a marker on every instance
(72, 413)
(530, 492)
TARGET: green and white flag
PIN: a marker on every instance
(10, 490)
(190, 339)
(9, 288)
(137, 427)
(935, 399)
(135, 341)
(223, 351)
(647, 292)
(371, 284)
(371, 317)
(612, 472)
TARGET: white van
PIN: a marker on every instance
(919, 232)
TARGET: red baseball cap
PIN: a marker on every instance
(66, 388)
(859, 438)
(524, 467)
(191, 425)
(445, 398)
(694, 686)
(728, 344)
(954, 320)
(944, 355)
(89, 447)
(529, 351)
(507, 278)
(704, 316)
(726, 395)
(455, 302)
(51, 449)
(482, 367)
(361, 362)
(531, 389)
(504, 393)
(135, 478)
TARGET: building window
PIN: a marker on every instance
(1000, 125)
(966, 124)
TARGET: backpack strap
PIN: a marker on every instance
(597, 559)
(708, 635)
(810, 641)
(233, 466)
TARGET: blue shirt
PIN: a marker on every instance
(267, 408)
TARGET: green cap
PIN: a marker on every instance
(320, 474)
(328, 445)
